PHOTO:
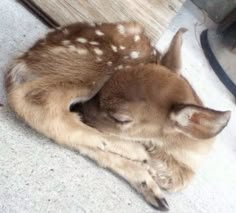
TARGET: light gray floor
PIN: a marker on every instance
(38, 176)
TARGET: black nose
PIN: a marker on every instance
(76, 107)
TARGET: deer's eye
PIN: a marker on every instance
(120, 118)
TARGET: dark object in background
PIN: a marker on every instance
(220, 50)
(217, 10)
(219, 45)
(32, 7)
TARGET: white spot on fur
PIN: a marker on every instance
(82, 40)
(109, 63)
(81, 51)
(122, 47)
(72, 48)
(57, 50)
(136, 38)
(66, 42)
(92, 24)
(98, 59)
(78, 50)
(99, 33)
(121, 29)
(126, 57)
(127, 66)
(120, 67)
(65, 31)
(134, 54)
(98, 51)
(94, 43)
(114, 48)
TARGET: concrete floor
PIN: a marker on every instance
(38, 176)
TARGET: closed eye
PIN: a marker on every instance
(119, 119)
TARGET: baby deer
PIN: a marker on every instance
(140, 119)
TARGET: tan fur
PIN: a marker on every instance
(147, 123)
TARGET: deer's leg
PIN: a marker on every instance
(67, 129)
(48, 112)
(170, 174)
(137, 174)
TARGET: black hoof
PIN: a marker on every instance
(162, 204)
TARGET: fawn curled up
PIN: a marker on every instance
(104, 91)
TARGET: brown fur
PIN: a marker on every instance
(149, 126)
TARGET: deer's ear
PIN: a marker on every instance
(172, 58)
(199, 122)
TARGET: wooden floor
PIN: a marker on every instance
(155, 15)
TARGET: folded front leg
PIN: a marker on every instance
(170, 174)
(69, 131)
(47, 111)
(137, 174)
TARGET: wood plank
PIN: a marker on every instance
(155, 15)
